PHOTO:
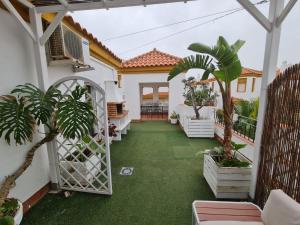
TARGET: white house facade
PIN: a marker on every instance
(246, 87)
(150, 70)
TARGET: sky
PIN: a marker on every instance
(105, 24)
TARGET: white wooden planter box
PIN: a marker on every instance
(198, 128)
(85, 171)
(227, 182)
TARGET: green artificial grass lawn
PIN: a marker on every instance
(167, 178)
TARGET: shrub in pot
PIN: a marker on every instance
(197, 95)
(174, 117)
(28, 107)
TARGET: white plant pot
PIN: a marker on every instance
(173, 121)
(85, 171)
(227, 182)
(19, 215)
(203, 128)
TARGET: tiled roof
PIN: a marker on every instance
(251, 72)
(81, 29)
(246, 72)
(151, 59)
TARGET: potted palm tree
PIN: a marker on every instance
(227, 177)
(21, 112)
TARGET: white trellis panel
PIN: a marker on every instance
(84, 165)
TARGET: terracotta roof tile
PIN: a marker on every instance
(152, 59)
(248, 71)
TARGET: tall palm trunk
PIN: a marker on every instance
(10, 180)
(228, 117)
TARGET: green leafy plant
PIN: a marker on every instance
(9, 207)
(7, 220)
(28, 107)
(221, 61)
(220, 115)
(247, 108)
(197, 95)
(174, 115)
(218, 154)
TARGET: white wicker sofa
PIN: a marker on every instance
(280, 209)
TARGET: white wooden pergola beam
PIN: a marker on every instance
(104, 5)
(27, 4)
(285, 12)
(57, 19)
(64, 3)
(19, 18)
(256, 14)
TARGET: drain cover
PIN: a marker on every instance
(126, 171)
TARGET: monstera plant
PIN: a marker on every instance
(222, 61)
(25, 109)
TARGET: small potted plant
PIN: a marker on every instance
(112, 131)
(12, 211)
(174, 117)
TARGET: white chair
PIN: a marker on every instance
(280, 209)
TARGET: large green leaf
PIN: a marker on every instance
(191, 62)
(237, 45)
(74, 117)
(16, 119)
(40, 104)
(225, 56)
(200, 48)
(222, 43)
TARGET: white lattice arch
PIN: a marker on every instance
(84, 165)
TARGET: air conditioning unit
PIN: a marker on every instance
(67, 46)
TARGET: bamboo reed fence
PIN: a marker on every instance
(280, 148)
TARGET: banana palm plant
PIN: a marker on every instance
(223, 63)
(27, 107)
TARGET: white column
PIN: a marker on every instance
(39, 50)
(43, 83)
(141, 94)
(156, 94)
(269, 73)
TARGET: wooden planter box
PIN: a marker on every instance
(227, 182)
(198, 128)
(85, 171)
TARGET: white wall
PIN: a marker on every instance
(17, 67)
(176, 90)
(131, 89)
(101, 73)
(248, 95)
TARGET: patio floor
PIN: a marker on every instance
(167, 178)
